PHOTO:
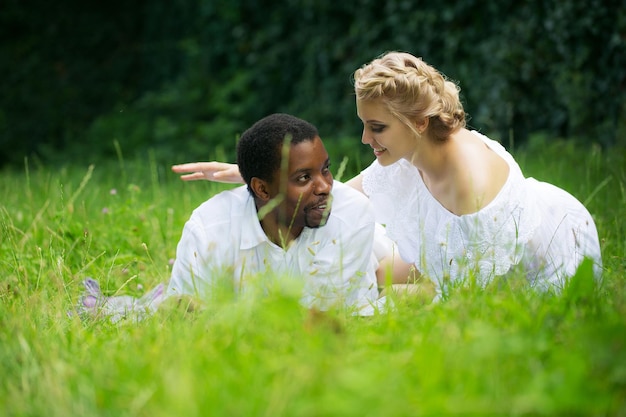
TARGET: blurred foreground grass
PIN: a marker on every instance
(498, 351)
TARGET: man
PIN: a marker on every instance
(290, 220)
(290, 223)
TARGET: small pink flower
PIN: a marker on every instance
(113, 191)
(171, 261)
(105, 210)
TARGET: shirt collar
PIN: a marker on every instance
(252, 233)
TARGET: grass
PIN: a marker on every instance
(497, 351)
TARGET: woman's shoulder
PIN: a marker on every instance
(479, 172)
(497, 147)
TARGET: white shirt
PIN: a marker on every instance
(333, 264)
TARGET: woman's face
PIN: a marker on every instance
(390, 139)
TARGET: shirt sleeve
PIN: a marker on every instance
(199, 259)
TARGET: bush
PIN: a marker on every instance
(192, 75)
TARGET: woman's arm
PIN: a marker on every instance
(403, 279)
(229, 173)
(211, 171)
(393, 270)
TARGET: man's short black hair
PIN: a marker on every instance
(260, 147)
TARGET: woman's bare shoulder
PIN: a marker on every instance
(481, 176)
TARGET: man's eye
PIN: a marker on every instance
(303, 178)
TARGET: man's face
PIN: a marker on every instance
(306, 186)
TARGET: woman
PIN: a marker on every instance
(455, 201)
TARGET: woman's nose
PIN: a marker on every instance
(365, 140)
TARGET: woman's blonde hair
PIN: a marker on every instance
(412, 91)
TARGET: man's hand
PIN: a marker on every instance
(211, 171)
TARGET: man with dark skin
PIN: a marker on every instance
(290, 221)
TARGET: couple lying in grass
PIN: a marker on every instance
(455, 205)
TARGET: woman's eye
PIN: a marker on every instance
(377, 129)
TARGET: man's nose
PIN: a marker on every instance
(323, 185)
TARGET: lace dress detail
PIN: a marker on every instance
(449, 248)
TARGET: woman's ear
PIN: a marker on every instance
(260, 188)
(422, 125)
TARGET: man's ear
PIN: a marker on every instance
(260, 188)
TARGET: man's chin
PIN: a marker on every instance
(317, 225)
(317, 221)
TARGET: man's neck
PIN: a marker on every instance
(279, 233)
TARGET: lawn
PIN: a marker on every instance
(504, 350)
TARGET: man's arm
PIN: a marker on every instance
(189, 270)
(203, 254)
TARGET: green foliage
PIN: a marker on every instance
(504, 350)
(188, 77)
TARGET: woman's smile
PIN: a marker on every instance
(378, 150)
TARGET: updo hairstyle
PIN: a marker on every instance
(412, 91)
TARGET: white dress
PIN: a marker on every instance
(530, 224)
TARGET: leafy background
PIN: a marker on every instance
(186, 77)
